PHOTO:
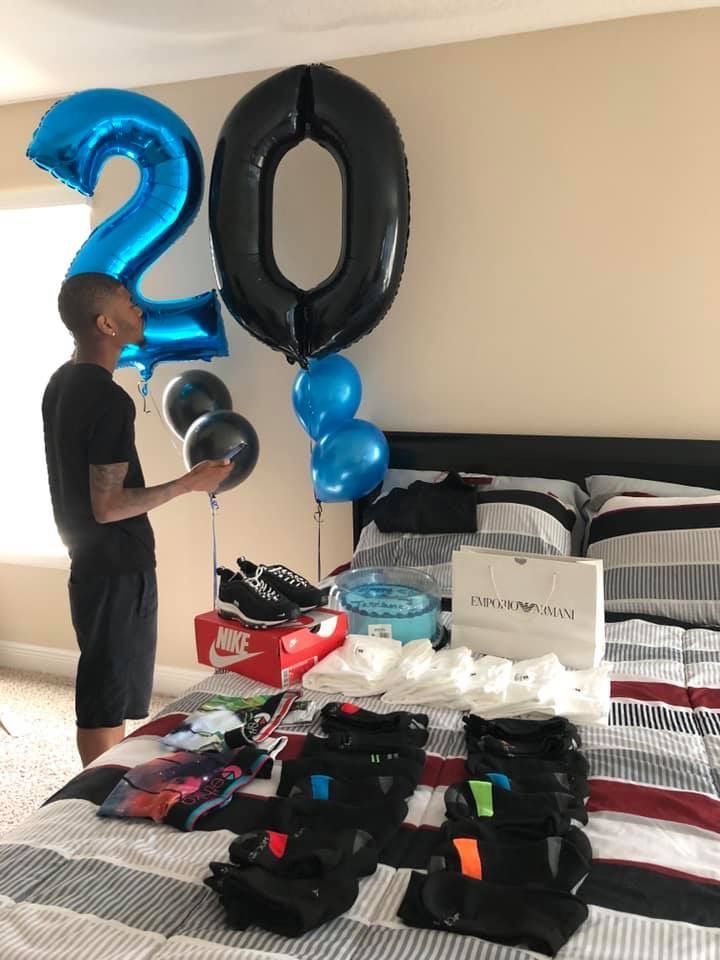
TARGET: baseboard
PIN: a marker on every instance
(63, 663)
(175, 680)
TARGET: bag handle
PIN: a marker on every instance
(537, 606)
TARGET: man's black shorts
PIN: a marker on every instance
(115, 620)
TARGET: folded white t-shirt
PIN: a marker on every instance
(358, 668)
(489, 686)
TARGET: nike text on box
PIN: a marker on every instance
(277, 656)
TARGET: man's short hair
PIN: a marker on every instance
(82, 298)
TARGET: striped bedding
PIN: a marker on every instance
(75, 885)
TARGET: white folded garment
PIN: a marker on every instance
(203, 730)
(359, 668)
(424, 676)
(585, 697)
(488, 683)
(489, 686)
(416, 660)
(535, 683)
(490, 677)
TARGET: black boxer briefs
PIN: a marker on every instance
(115, 620)
(405, 775)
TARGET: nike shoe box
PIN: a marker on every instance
(278, 656)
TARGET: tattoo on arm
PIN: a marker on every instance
(107, 476)
(111, 501)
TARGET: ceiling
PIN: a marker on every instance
(53, 47)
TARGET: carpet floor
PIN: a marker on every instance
(41, 756)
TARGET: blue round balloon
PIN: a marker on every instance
(326, 394)
(73, 142)
(349, 462)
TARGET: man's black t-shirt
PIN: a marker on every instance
(89, 419)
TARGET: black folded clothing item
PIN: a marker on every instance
(522, 731)
(307, 852)
(412, 728)
(285, 815)
(380, 819)
(348, 767)
(536, 783)
(482, 798)
(358, 748)
(573, 763)
(490, 830)
(536, 917)
(547, 748)
(285, 905)
(446, 507)
(559, 862)
(320, 786)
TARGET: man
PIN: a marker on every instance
(100, 503)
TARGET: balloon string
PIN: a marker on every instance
(148, 393)
(143, 390)
(317, 516)
(214, 507)
(318, 520)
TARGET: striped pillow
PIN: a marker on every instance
(522, 521)
(602, 487)
(661, 556)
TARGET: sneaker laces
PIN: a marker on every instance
(261, 586)
(289, 576)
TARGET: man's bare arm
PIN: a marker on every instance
(111, 501)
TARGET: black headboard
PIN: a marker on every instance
(692, 462)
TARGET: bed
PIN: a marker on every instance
(133, 889)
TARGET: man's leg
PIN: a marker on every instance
(94, 741)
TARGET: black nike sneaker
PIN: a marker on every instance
(252, 600)
(290, 584)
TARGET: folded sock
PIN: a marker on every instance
(257, 716)
(246, 814)
(535, 783)
(348, 767)
(320, 786)
(380, 819)
(542, 748)
(348, 717)
(483, 831)
(482, 798)
(490, 830)
(301, 713)
(574, 764)
(522, 731)
(535, 917)
(305, 853)
(559, 862)
(357, 742)
(237, 738)
(285, 905)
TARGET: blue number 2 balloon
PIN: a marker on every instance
(74, 140)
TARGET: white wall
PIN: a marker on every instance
(562, 277)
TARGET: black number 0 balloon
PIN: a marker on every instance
(357, 128)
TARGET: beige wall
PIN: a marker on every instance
(562, 276)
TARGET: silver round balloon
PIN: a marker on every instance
(190, 396)
(221, 435)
